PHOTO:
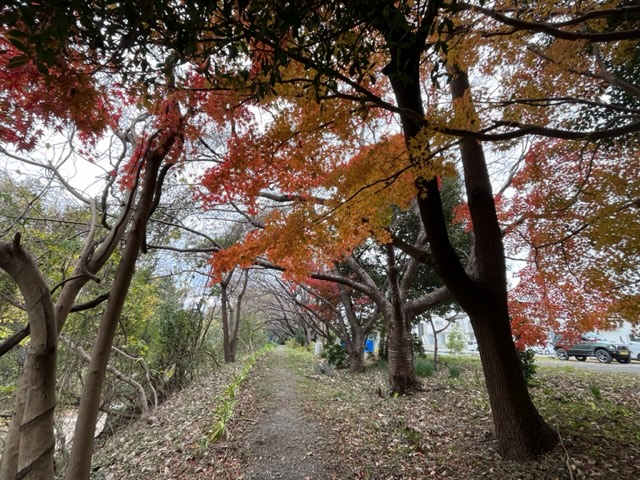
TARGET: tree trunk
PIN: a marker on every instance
(520, 430)
(30, 442)
(355, 335)
(482, 293)
(82, 448)
(224, 312)
(355, 349)
(90, 262)
(435, 343)
(231, 317)
(402, 373)
(233, 341)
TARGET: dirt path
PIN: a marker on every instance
(281, 442)
(293, 423)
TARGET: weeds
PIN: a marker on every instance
(424, 367)
(595, 391)
(227, 402)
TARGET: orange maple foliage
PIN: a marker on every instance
(314, 179)
(575, 215)
(333, 206)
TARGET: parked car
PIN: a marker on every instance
(603, 350)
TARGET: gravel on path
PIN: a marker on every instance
(281, 442)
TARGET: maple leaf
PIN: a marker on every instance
(573, 214)
(31, 100)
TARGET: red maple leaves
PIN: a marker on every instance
(32, 101)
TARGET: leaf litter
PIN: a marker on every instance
(292, 422)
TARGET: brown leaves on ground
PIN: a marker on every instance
(172, 443)
(443, 431)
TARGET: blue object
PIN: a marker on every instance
(368, 346)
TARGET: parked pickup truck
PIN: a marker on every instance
(603, 350)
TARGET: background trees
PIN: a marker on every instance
(573, 214)
(347, 120)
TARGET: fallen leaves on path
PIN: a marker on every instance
(443, 431)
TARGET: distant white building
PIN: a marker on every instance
(424, 330)
(443, 328)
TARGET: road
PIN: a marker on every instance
(590, 364)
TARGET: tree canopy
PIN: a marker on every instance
(321, 120)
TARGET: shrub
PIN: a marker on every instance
(527, 363)
(336, 355)
(424, 367)
(292, 342)
(454, 372)
(456, 340)
(417, 346)
(301, 338)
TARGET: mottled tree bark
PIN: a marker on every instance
(29, 445)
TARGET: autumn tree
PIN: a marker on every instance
(290, 312)
(34, 100)
(376, 58)
(232, 313)
(481, 290)
(346, 313)
(572, 213)
(151, 152)
(33, 447)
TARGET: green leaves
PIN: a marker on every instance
(225, 405)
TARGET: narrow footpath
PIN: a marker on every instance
(292, 422)
(272, 434)
(279, 441)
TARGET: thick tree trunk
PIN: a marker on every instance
(355, 349)
(402, 373)
(29, 445)
(89, 263)
(82, 449)
(520, 430)
(9, 466)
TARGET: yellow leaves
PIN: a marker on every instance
(622, 53)
(464, 113)
(430, 155)
(420, 146)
